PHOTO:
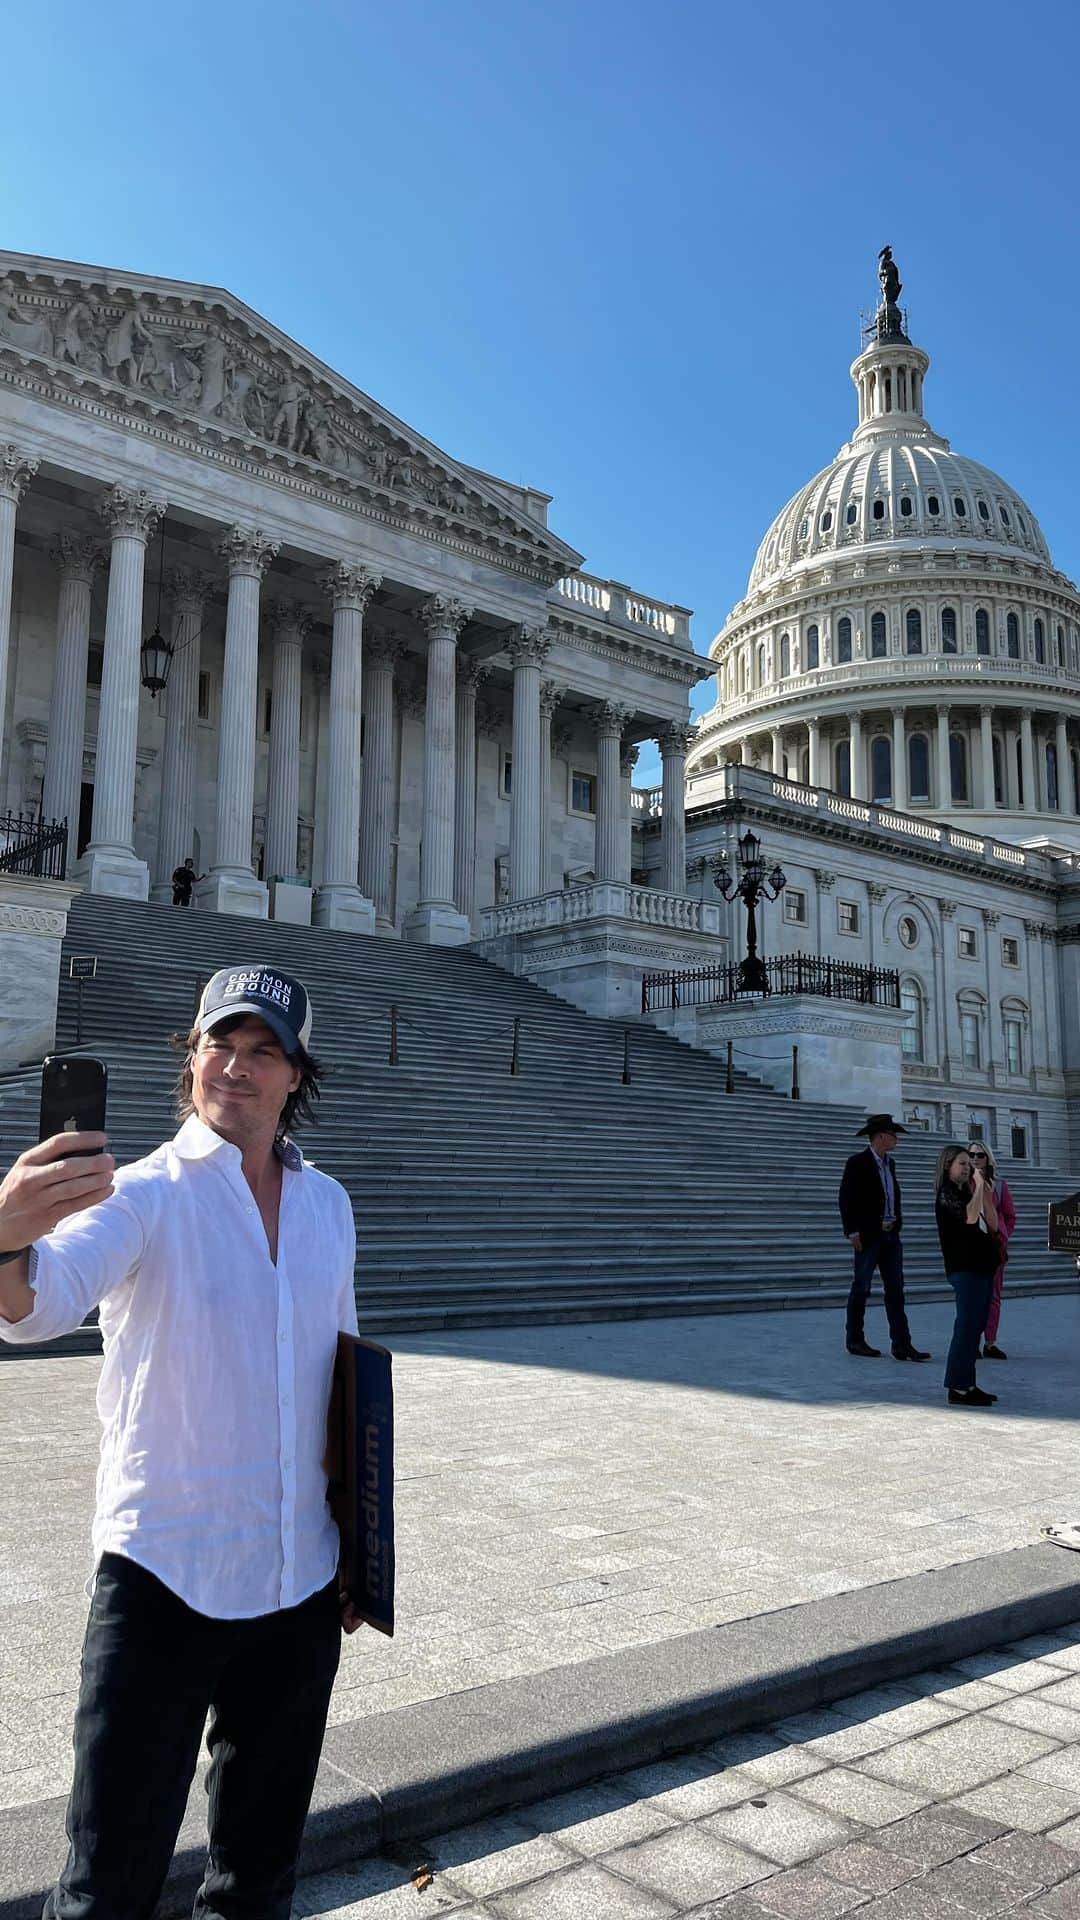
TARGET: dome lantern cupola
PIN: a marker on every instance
(889, 373)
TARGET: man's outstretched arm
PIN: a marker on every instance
(44, 1186)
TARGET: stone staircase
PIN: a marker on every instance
(484, 1197)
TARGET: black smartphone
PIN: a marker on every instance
(73, 1090)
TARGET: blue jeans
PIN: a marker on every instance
(886, 1253)
(972, 1292)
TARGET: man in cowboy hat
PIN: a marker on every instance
(872, 1216)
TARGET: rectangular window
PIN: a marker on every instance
(582, 792)
(505, 773)
(847, 916)
(1014, 1047)
(95, 661)
(968, 943)
(969, 1038)
(794, 907)
(1010, 950)
(1019, 1142)
(204, 696)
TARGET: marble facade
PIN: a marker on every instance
(395, 701)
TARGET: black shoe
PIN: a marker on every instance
(865, 1352)
(971, 1397)
(909, 1353)
(993, 1353)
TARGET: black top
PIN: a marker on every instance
(964, 1248)
(862, 1195)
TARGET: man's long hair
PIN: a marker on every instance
(299, 1108)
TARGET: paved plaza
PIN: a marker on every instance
(955, 1793)
(571, 1491)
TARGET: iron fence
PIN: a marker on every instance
(32, 846)
(789, 973)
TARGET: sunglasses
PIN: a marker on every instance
(977, 1156)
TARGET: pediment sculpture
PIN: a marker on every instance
(195, 366)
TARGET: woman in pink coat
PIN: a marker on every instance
(1006, 1213)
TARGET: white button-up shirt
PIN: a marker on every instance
(215, 1384)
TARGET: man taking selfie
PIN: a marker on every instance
(222, 1265)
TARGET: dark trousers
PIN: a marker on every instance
(885, 1253)
(151, 1670)
(972, 1292)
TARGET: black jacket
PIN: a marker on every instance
(862, 1195)
(964, 1248)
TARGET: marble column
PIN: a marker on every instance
(674, 742)
(109, 864)
(986, 757)
(339, 901)
(17, 469)
(382, 651)
(550, 695)
(435, 921)
(628, 759)
(944, 764)
(746, 757)
(470, 675)
(290, 622)
(777, 752)
(77, 555)
(528, 649)
(813, 753)
(857, 757)
(1027, 762)
(1064, 765)
(179, 764)
(899, 760)
(231, 886)
(610, 721)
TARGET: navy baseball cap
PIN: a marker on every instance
(275, 997)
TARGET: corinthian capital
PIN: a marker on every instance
(676, 738)
(350, 586)
(77, 555)
(190, 589)
(289, 616)
(131, 512)
(612, 718)
(17, 469)
(383, 649)
(550, 695)
(529, 646)
(628, 759)
(442, 615)
(247, 550)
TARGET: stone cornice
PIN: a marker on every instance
(816, 828)
(193, 368)
(668, 663)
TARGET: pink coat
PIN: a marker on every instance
(1006, 1213)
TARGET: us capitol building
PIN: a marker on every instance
(249, 616)
(898, 715)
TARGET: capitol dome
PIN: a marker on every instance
(905, 637)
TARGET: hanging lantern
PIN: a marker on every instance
(156, 652)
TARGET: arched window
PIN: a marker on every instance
(826, 520)
(742, 673)
(913, 630)
(852, 514)
(813, 649)
(972, 1010)
(914, 1037)
(948, 629)
(1061, 646)
(785, 655)
(842, 767)
(960, 507)
(1014, 1033)
(933, 505)
(761, 663)
(999, 771)
(1040, 643)
(984, 511)
(878, 510)
(1004, 512)
(843, 640)
(907, 506)
(1053, 801)
(878, 636)
(1012, 636)
(919, 766)
(982, 630)
(881, 767)
(958, 767)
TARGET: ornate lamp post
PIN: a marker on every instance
(750, 885)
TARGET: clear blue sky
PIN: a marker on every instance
(616, 248)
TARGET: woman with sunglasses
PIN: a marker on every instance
(983, 1160)
(967, 1228)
